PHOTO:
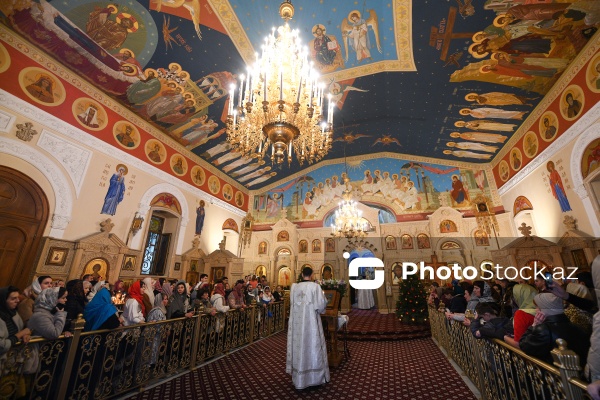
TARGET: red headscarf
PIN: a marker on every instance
(135, 292)
(220, 289)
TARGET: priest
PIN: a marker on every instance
(306, 347)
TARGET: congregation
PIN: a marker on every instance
(531, 316)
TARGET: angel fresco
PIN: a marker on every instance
(499, 99)
(488, 112)
(485, 125)
(473, 146)
(467, 154)
(192, 6)
(338, 95)
(479, 137)
(355, 30)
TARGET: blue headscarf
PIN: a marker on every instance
(98, 310)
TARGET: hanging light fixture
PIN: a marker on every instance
(291, 119)
(348, 221)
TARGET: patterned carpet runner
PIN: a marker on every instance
(386, 370)
(370, 325)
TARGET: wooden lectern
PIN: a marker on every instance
(336, 350)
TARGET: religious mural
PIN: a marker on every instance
(591, 158)
(404, 186)
(172, 63)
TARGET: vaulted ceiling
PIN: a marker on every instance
(424, 70)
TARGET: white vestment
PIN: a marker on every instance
(306, 347)
(365, 299)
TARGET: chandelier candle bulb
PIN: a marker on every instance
(241, 90)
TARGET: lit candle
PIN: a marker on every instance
(241, 90)
(299, 88)
(265, 87)
(290, 150)
(280, 82)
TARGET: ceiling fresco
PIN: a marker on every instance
(447, 80)
(407, 189)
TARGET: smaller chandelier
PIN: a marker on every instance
(348, 220)
(280, 103)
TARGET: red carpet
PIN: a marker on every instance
(370, 325)
(385, 370)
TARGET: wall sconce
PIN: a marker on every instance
(136, 225)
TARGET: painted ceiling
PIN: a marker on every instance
(446, 79)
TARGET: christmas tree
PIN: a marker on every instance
(411, 306)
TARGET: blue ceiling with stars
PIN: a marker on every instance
(443, 79)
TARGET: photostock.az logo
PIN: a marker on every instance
(366, 262)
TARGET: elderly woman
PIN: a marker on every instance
(148, 296)
(551, 323)
(48, 320)
(30, 294)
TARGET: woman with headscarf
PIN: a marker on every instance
(220, 304)
(47, 319)
(218, 299)
(133, 312)
(581, 318)
(472, 301)
(148, 294)
(179, 302)
(523, 295)
(158, 313)
(100, 313)
(483, 291)
(550, 324)
(11, 325)
(167, 290)
(30, 294)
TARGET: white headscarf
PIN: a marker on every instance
(149, 290)
(47, 299)
(549, 304)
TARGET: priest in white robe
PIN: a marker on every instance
(306, 347)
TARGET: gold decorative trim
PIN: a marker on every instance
(234, 28)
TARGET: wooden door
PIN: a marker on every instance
(23, 217)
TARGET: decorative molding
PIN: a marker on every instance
(6, 121)
(159, 188)
(144, 207)
(590, 134)
(62, 191)
(56, 124)
(571, 134)
(75, 159)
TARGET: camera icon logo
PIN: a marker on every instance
(366, 262)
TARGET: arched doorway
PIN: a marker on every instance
(363, 273)
(23, 217)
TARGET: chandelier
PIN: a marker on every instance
(280, 103)
(348, 221)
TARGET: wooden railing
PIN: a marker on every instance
(111, 363)
(500, 371)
